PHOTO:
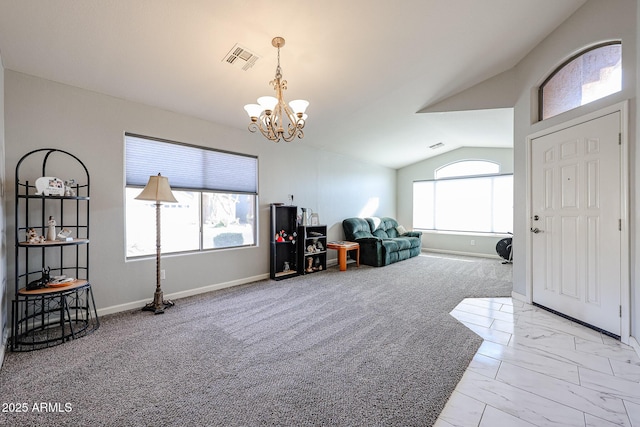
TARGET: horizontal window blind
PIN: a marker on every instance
(189, 167)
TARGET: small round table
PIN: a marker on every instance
(53, 315)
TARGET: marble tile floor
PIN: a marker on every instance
(538, 369)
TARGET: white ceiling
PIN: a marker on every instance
(366, 66)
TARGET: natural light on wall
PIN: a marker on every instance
(588, 76)
(370, 208)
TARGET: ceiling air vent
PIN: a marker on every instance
(241, 57)
(438, 145)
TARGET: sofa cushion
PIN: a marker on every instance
(403, 243)
(381, 234)
(356, 228)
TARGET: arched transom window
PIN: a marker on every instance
(467, 168)
(590, 75)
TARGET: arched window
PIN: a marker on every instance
(467, 168)
(590, 75)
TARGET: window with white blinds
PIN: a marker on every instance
(217, 193)
(189, 167)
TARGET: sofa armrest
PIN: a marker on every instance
(370, 242)
(371, 251)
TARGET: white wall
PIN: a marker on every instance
(41, 113)
(596, 21)
(458, 242)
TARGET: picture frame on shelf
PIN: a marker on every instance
(314, 219)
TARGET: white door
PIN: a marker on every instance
(575, 221)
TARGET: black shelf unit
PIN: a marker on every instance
(312, 252)
(284, 248)
(52, 313)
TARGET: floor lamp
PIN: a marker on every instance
(158, 190)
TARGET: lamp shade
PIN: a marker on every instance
(158, 190)
(299, 105)
(268, 103)
(254, 110)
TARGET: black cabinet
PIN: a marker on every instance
(53, 300)
(284, 245)
(312, 252)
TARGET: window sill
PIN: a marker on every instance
(464, 233)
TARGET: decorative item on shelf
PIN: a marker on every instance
(59, 281)
(305, 218)
(282, 236)
(311, 249)
(270, 113)
(309, 265)
(64, 235)
(49, 186)
(316, 264)
(314, 219)
(51, 229)
(319, 246)
(68, 188)
(33, 238)
(158, 190)
(286, 267)
(41, 282)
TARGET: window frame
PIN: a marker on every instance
(200, 193)
(562, 66)
(437, 171)
(435, 180)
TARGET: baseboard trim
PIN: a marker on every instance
(182, 294)
(3, 347)
(635, 345)
(522, 298)
(444, 251)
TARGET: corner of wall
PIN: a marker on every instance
(3, 247)
(498, 91)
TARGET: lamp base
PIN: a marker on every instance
(159, 304)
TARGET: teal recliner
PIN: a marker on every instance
(380, 242)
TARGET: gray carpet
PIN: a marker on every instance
(369, 346)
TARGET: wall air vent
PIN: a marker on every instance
(438, 145)
(241, 57)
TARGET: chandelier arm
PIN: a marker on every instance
(263, 127)
(293, 119)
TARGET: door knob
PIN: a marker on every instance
(536, 230)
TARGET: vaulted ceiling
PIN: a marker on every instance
(368, 67)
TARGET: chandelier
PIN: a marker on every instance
(270, 113)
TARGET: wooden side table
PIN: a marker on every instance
(343, 247)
